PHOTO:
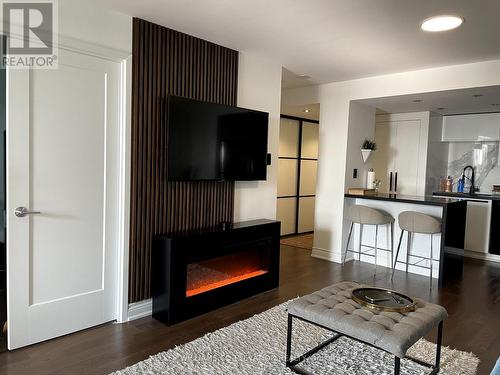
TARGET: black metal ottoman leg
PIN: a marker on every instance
(438, 345)
(397, 365)
(289, 340)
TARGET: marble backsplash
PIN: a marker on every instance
(482, 155)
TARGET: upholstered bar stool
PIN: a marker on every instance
(416, 222)
(364, 215)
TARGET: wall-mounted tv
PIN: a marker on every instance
(208, 141)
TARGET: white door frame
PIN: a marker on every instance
(124, 58)
(124, 185)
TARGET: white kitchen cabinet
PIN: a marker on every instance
(467, 128)
(477, 226)
(401, 150)
(406, 158)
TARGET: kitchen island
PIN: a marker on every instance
(452, 213)
(482, 239)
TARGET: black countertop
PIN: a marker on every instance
(477, 196)
(425, 200)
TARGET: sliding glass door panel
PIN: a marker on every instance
(289, 138)
(310, 133)
(308, 171)
(287, 214)
(306, 214)
(287, 177)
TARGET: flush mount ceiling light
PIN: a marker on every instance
(442, 23)
(307, 110)
(303, 76)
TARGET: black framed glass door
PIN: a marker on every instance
(297, 168)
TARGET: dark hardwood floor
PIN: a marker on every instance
(473, 304)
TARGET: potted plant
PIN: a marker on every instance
(367, 148)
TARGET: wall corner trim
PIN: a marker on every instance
(331, 256)
(140, 309)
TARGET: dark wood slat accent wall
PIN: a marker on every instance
(166, 62)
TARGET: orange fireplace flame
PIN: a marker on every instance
(210, 285)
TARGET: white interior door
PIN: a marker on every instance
(62, 155)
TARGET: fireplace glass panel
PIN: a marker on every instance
(213, 273)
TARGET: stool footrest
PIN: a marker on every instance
(422, 257)
(417, 263)
(370, 249)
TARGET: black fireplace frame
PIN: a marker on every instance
(172, 252)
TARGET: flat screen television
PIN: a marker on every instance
(208, 141)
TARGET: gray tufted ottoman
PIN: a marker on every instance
(332, 308)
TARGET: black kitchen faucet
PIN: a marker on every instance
(472, 189)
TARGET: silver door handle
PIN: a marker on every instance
(23, 211)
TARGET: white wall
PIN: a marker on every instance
(259, 87)
(89, 22)
(363, 119)
(493, 178)
(335, 98)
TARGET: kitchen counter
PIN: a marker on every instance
(479, 196)
(450, 211)
(426, 200)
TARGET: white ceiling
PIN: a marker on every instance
(298, 111)
(333, 40)
(474, 100)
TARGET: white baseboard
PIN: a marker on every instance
(325, 255)
(482, 256)
(140, 309)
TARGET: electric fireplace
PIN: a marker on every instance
(197, 271)
(206, 275)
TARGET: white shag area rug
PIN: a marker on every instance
(257, 346)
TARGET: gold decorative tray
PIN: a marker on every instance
(381, 299)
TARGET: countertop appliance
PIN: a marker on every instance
(495, 190)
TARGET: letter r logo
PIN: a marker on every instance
(29, 27)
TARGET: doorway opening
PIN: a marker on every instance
(427, 144)
(297, 170)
